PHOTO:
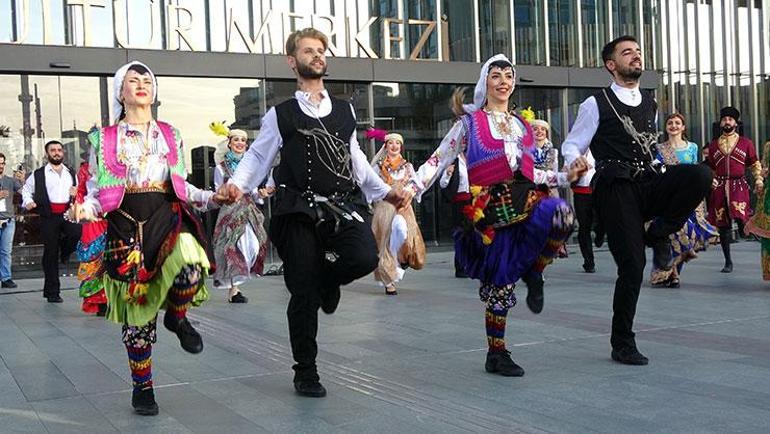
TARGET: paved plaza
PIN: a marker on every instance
(413, 363)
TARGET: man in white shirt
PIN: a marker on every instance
(49, 191)
(319, 206)
(619, 125)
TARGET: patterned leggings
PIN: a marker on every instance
(499, 299)
(139, 339)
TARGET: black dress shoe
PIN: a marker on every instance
(589, 268)
(535, 297)
(189, 338)
(501, 363)
(629, 356)
(728, 268)
(238, 298)
(9, 284)
(55, 299)
(330, 298)
(143, 401)
(310, 388)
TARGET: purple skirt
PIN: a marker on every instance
(515, 248)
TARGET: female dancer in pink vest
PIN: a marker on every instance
(154, 256)
(513, 228)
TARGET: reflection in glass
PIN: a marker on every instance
(424, 10)
(651, 23)
(494, 28)
(547, 104)
(593, 23)
(625, 17)
(419, 112)
(384, 8)
(562, 38)
(459, 24)
(191, 104)
(37, 109)
(530, 32)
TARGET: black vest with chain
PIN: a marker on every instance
(611, 142)
(315, 156)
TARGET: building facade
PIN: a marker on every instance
(397, 61)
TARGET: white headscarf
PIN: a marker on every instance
(117, 87)
(480, 92)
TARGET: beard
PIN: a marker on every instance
(728, 129)
(55, 160)
(306, 71)
(630, 73)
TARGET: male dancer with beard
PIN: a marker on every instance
(730, 156)
(619, 125)
(319, 203)
(49, 191)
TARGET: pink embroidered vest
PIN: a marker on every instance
(111, 173)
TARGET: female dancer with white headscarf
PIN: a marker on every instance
(398, 236)
(154, 256)
(512, 229)
(240, 239)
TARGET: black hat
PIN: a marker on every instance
(730, 111)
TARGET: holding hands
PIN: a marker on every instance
(227, 194)
(578, 168)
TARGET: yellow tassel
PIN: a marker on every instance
(486, 240)
(134, 257)
(478, 215)
(475, 190)
(140, 289)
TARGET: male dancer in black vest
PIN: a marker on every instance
(49, 191)
(319, 204)
(619, 124)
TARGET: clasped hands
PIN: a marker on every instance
(577, 169)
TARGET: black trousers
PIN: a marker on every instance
(302, 246)
(584, 211)
(60, 239)
(624, 205)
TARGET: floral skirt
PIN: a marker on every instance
(240, 243)
(695, 236)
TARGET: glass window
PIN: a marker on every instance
(384, 9)
(460, 33)
(423, 10)
(547, 104)
(36, 109)
(562, 37)
(651, 27)
(421, 113)
(625, 16)
(495, 28)
(593, 23)
(191, 104)
(530, 32)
